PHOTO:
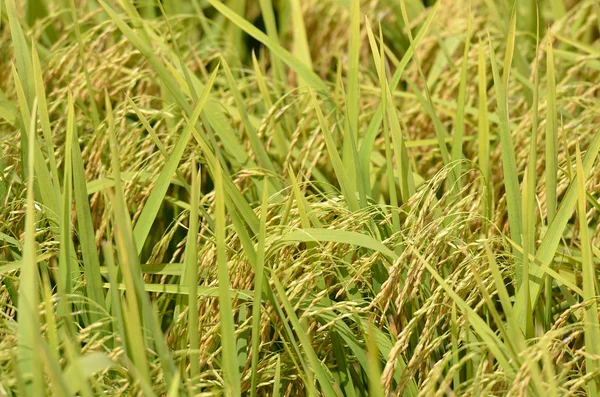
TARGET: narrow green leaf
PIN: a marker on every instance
(514, 345)
(342, 177)
(116, 303)
(455, 349)
(440, 131)
(67, 270)
(235, 199)
(338, 236)
(21, 49)
(483, 133)
(375, 387)
(551, 163)
(307, 218)
(277, 380)
(174, 388)
(129, 260)
(230, 364)
(49, 193)
(301, 50)
(510, 48)
(176, 84)
(177, 52)
(392, 128)
(389, 167)
(180, 178)
(279, 137)
(44, 117)
(512, 322)
(529, 200)
(257, 146)
(368, 141)
(190, 274)
(459, 121)
(547, 249)
(51, 333)
(57, 380)
(488, 336)
(258, 288)
(509, 166)
(178, 289)
(357, 347)
(29, 321)
(88, 81)
(405, 173)
(144, 47)
(591, 327)
(154, 202)
(350, 122)
(315, 364)
(352, 101)
(294, 63)
(279, 73)
(137, 308)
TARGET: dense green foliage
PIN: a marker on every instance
(286, 197)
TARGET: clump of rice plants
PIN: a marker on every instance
(323, 197)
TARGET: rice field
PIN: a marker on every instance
(290, 198)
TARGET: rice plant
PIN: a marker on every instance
(322, 197)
